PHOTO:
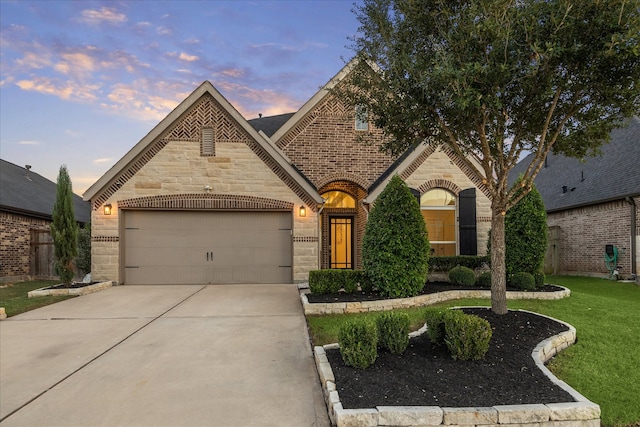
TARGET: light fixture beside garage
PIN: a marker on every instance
(303, 211)
(107, 209)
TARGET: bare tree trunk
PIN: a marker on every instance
(498, 265)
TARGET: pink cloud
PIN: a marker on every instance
(105, 14)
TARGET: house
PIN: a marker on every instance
(591, 203)
(209, 197)
(26, 206)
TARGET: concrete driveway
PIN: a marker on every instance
(235, 355)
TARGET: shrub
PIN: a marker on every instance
(83, 261)
(539, 279)
(446, 263)
(363, 280)
(526, 234)
(358, 341)
(462, 276)
(327, 281)
(467, 336)
(435, 319)
(484, 280)
(395, 246)
(393, 331)
(523, 280)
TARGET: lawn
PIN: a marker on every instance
(604, 364)
(13, 296)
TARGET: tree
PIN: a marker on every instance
(395, 246)
(492, 79)
(64, 229)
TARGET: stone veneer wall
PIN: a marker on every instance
(15, 244)
(178, 168)
(440, 170)
(585, 231)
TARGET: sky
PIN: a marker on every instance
(81, 82)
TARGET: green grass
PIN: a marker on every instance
(13, 296)
(603, 365)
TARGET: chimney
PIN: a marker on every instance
(26, 174)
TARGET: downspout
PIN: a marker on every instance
(632, 203)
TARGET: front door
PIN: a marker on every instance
(341, 242)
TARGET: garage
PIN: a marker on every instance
(217, 247)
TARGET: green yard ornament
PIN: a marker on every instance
(64, 229)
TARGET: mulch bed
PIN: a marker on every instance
(429, 288)
(426, 375)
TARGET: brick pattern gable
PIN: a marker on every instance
(324, 145)
(206, 112)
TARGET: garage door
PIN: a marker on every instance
(185, 247)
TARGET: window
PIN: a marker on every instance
(207, 146)
(338, 199)
(439, 212)
(362, 118)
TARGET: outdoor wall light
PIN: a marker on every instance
(303, 211)
(107, 209)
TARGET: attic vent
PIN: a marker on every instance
(207, 146)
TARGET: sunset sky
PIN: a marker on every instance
(83, 81)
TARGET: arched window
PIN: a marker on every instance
(338, 199)
(438, 208)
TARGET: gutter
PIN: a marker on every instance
(633, 230)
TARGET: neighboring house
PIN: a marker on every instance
(26, 206)
(592, 203)
(209, 197)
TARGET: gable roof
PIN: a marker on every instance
(25, 192)
(270, 125)
(613, 175)
(205, 88)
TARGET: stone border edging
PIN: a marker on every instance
(418, 301)
(73, 291)
(581, 413)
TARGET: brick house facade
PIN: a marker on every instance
(26, 205)
(310, 169)
(591, 203)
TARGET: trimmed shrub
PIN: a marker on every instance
(363, 280)
(446, 263)
(462, 276)
(395, 246)
(523, 280)
(328, 281)
(358, 341)
(332, 281)
(435, 319)
(467, 337)
(539, 279)
(393, 331)
(525, 234)
(484, 280)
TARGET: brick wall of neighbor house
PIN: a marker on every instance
(441, 170)
(585, 231)
(178, 168)
(15, 242)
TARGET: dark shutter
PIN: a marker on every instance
(467, 222)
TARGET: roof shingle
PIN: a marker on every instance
(24, 191)
(567, 182)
